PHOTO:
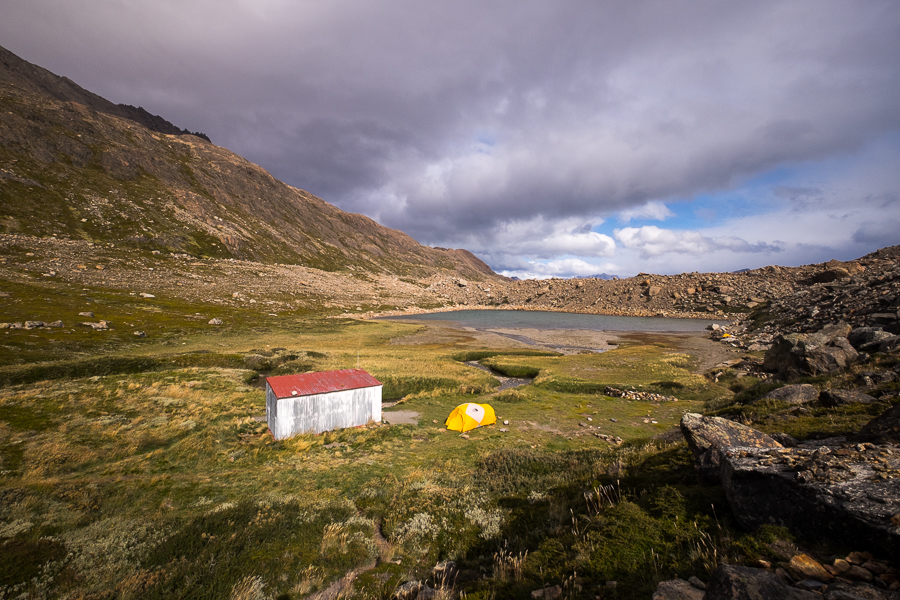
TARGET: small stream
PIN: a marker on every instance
(505, 382)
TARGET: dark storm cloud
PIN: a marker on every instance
(453, 121)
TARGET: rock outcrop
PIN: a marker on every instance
(798, 354)
(793, 394)
(677, 589)
(707, 437)
(884, 428)
(746, 583)
(835, 398)
(822, 490)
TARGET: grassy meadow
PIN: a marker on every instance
(143, 467)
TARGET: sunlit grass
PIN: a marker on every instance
(158, 482)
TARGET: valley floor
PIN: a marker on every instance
(135, 461)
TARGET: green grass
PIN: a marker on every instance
(144, 468)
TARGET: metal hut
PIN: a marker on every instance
(323, 401)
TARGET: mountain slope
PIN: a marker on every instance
(75, 165)
(30, 78)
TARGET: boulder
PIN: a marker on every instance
(408, 591)
(863, 336)
(677, 589)
(793, 394)
(828, 490)
(885, 428)
(887, 321)
(802, 566)
(33, 324)
(843, 590)
(547, 593)
(785, 439)
(746, 583)
(891, 344)
(215, 321)
(872, 379)
(834, 398)
(798, 354)
(708, 436)
(829, 275)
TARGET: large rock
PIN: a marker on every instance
(887, 321)
(885, 428)
(746, 583)
(889, 345)
(793, 394)
(822, 490)
(677, 589)
(862, 337)
(844, 590)
(708, 436)
(799, 354)
(835, 398)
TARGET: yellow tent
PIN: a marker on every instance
(469, 416)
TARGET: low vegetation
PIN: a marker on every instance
(142, 468)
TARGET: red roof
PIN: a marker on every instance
(306, 384)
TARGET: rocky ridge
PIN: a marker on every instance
(868, 299)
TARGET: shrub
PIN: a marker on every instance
(511, 396)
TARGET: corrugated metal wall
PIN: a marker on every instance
(322, 412)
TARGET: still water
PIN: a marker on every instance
(481, 319)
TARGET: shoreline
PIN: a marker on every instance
(415, 310)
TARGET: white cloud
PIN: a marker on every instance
(565, 268)
(541, 239)
(653, 241)
(511, 128)
(654, 209)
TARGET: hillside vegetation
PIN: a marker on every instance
(145, 469)
(74, 165)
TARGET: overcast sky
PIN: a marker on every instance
(550, 138)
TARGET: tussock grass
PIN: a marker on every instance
(479, 355)
(510, 396)
(511, 369)
(153, 475)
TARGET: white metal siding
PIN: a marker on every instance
(271, 410)
(322, 412)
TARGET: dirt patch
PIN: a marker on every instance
(565, 341)
(401, 417)
(705, 352)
